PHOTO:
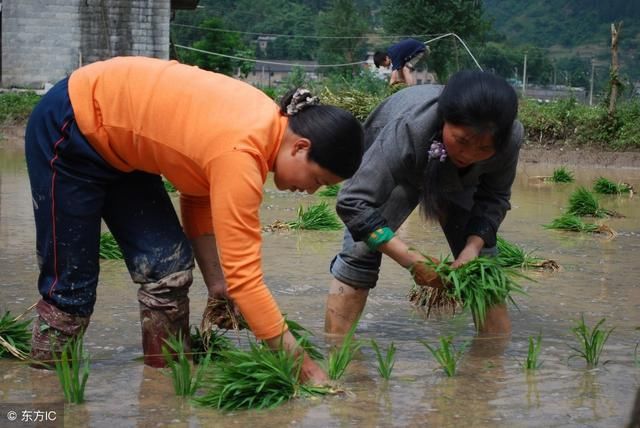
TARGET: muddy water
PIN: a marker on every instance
(599, 278)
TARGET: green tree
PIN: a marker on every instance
(463, 17)
(342, 19)
(220, 42)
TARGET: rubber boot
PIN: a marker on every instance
(344, 306)
(497, 322)
(164, 312)
(52, 329)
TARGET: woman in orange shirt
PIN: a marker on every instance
(96, 146)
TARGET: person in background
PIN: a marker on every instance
(454, 151)
(96, 147)
(402, 57)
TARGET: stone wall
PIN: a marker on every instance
(45, 40)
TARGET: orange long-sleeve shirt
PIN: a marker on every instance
(213, 137)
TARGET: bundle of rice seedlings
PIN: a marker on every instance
(512, 255)
(583, 203)
(561, 175)
(477, 285)
(340, 358)
(212, 343)
(316, 217)
(109, 248)
(573, 223)
(276, 226)
(259, 378)
(608, 187)
(168, 186)
(72, 368)
(15, 337)
(302, 336)
(330, 190)
(185, 382)
(221, 313)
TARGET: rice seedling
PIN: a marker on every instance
(573, 223)
(316, 217)
(532, 363)
(478, 284)
(72, 368)
(608, 187)
(339, 358)
(583, 203)
(255, 379)
(562, 175)
(591, 342)
(302, 336)
(330, 190)
(185, 382)
(109, 248)
(15, 337)
(386, 361)
(168, 186)
(512, 255)
(446, 354)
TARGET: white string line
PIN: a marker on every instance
(222, 30)
(324, 65)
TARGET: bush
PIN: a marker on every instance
(17, 106)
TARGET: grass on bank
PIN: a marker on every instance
(15, 107)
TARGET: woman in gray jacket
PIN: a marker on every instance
(454, 150)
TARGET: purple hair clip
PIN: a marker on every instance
(437, 151)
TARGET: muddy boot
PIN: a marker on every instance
(497, 323)
(344, 306)
(164, 312)
(52, 329)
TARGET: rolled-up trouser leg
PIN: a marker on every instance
(164, 312)
(52, 329)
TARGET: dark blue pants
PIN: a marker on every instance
(73, 189)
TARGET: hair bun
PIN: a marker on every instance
(301, 99)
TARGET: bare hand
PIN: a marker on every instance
(312, 373)
(469, 253)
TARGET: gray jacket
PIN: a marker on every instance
(398, 135)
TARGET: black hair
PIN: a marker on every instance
(337, 137)
(379, 57)
(477, 99)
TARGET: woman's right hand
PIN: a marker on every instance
(310, 371)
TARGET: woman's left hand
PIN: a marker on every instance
(470, 251)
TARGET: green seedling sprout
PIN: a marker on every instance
(446, 354)
(386, 361)
(591, 342)
(533, 353)
(72, 368)
(109, 248)
(259, 378)
(339, 358)
(15, 337)
(562, 175)
(330, 191)
(316, 217)
(185, 382)
(608, 187)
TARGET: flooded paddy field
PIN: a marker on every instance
(598, 278)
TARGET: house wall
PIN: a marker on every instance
(45, 40)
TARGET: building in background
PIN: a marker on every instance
(42, 41)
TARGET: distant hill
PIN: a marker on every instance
(568, 27)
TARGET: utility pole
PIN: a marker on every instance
(524, 76)
(593, 66)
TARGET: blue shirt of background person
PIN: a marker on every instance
(403, 51)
